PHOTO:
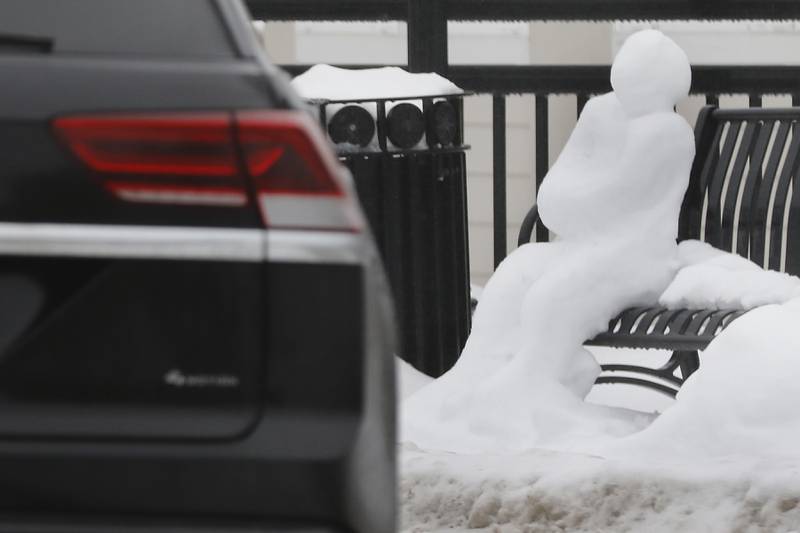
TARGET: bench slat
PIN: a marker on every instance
(753, 178)
(667, 329)
(710, 161)
(759, 225)
(664, 321)
(695, 327)
(734, 183)
(793, 229)
(713, 214)
(629, 318)
(639, 382)
(647, 323)
(780, 197)
(681, 321)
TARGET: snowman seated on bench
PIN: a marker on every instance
(612, 200)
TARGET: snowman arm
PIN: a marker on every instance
(663, 148)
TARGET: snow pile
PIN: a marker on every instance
(723, 458)
(546, 491)
(409, 379)
(613, 199)
(332, 83)
(712, 279)
(741, 402)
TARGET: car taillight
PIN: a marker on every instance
(275, 160)
(296, 176)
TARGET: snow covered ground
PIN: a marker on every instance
(665, 489)
(515, 439)
(550, 491)
(410, 380)
(723, 457)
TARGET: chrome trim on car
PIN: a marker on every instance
(292, 246)
(117, 241)
(179, 243)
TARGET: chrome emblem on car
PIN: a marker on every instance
(176, 378)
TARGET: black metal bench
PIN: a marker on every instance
(739, 200)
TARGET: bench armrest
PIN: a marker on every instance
(528, 225)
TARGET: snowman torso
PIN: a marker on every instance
(617, 172)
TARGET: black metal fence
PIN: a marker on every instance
(529, 9)
(427, 51)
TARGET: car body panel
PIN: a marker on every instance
(182, 366)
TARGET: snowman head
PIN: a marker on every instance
(650, 73)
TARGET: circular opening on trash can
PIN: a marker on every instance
(443, 121)
(352, 124)
(406, 125)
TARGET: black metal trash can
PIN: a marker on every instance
(410, 172)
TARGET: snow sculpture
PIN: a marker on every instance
(742, 402)
(712, 279)
(613, 199)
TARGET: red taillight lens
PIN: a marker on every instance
(284, 156)
(206, 158)
(298, 182)
(181, 145)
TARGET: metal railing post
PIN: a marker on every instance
(542, 125)
(427, 36)
(499, 177)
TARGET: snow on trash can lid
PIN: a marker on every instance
(333, 83)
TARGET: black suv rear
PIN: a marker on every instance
(195, 331)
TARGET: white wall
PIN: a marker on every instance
(727, 43)
(351, 43)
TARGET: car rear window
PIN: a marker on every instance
(149, 28)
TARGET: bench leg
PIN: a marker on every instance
(689, 362)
